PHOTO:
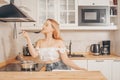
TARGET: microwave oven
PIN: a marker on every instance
(93, 16)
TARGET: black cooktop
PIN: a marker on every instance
(17, 67)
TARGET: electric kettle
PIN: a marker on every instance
(95, 49)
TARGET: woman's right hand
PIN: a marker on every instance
(25, 34)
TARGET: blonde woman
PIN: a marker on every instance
(51, 49)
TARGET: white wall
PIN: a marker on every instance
(81, 40)
(7, 43)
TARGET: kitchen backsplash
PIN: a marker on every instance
(81, 40)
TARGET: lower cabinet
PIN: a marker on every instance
(116, 70)
(104, 66)
(109, 68)
(80, 63)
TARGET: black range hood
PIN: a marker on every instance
(11, 13)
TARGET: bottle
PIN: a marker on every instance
(111, 11)
(70, 44)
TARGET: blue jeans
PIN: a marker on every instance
(57, 65)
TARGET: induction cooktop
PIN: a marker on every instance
(17, 67)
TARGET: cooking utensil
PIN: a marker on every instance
(32, 32)
(28, 64)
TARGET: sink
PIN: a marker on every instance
(77, 55)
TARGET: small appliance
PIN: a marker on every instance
(26, 51)
(93, 15)
(95, 49)
(105, 49)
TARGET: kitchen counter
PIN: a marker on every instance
(92, 57)
(55, 75)
(58, 75)
(86, 57)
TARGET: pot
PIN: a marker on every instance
(28, 64)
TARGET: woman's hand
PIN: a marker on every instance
(83, 69)
(25, 34)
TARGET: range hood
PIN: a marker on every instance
(11, 13)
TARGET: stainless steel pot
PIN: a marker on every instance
(28, 64)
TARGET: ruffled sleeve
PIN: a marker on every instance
(37, 49)
(63, 50)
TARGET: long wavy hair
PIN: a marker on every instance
(56, 32)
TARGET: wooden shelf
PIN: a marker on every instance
(75, 28)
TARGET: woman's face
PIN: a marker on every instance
(47, 27)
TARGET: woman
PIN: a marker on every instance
(51, 49)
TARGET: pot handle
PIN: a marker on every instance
(101, 50)
(91, 48)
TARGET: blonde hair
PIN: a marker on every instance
(56, 32)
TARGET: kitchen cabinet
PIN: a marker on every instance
(114, 14)
(81, 63)
(116, 70)
(67, 14)
(104, 66)
(111, 15)
(47, 9)
(64, 11)
(93, 2)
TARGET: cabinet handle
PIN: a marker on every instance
(99, 60)
(116, 60)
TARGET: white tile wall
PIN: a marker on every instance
(81, 40)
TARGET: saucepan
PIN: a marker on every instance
(28, 64)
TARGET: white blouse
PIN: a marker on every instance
(51, 53)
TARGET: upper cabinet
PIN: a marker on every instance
(47, 9)
(114, 12)
(72, 14)
(64, 11)
(67, 14)
(97, 14)
(94, 2)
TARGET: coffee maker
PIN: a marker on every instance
(105, 49)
